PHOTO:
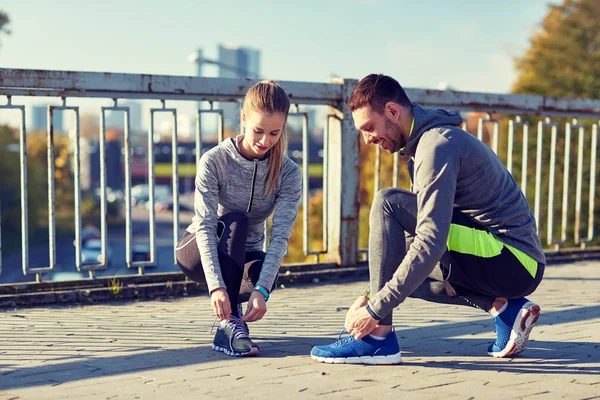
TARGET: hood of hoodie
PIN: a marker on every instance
(426, 119)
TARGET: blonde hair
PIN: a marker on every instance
(267, 96)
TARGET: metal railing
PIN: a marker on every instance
(341, 166)
(117, 87)
(521, 111)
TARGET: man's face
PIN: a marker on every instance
(379, 128)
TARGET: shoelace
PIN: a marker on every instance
(345, 340)
(212, 328)
(238, 328)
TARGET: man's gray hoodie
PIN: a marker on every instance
(226, 181)
(453, 170)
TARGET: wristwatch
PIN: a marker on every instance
(262, 291)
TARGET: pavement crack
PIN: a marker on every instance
(344, 390)
(537, 394)
(436, 386)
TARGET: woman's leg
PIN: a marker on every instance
(232, 232)
(252, 269)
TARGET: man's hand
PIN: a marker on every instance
(219, 300)
(257, 307)
(359, 323)
(361, 301)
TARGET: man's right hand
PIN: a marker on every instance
(358, 303)
(219, 300)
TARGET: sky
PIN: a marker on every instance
(468, 45)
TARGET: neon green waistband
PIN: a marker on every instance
(465, 240)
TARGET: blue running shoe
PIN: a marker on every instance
(364, 351)
(513, 326)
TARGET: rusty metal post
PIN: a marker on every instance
(342, 183)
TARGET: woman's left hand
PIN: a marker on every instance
(257, 307)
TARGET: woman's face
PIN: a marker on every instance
(262, 132)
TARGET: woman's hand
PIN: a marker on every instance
(219, 300)
(257, 307)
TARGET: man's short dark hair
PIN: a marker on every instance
(376, 90)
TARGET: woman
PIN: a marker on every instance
(238, 186)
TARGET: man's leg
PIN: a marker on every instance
(393, 215)
(491, 283)
(393, 222)
(493, 268)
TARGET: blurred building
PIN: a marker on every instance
(232, 62)
(39, 119)
(236, 62)
(116, 119)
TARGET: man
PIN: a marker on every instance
(464, 235)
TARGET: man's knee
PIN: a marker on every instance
(383, 198)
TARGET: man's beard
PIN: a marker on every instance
(395, 135)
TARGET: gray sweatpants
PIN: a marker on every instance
(477, 281)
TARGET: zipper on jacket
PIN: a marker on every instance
(253, 183)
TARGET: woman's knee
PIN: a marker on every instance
(234, 223)
(188, 258)
(193, 270)
(236, 217)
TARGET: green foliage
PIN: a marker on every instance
(368, 156)
(563, 61)
(564, 57)
(115, 287)
(4, 21)
(37, 190)
(315, 230)
(10, 190)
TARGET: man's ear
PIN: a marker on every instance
(243, 119)
(392, 110)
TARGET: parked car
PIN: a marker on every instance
(67, 276)
(140, 252)
(139, 198)
(140, 194)
(166, 204)
(91, 252)
(89, 232)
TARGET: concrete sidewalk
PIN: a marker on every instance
(161, 349)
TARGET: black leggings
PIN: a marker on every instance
(240, 269)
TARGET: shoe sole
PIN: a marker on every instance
(519, 336)
(370, 360)
(252, 353)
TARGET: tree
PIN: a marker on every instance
(10, 191)
(562, 61)
(564, 57)
(4, 21)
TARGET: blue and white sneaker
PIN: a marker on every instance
(513, 326)
(367, 350)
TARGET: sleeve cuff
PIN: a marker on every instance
(264, 284)
(219, 283)
(372, 313)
